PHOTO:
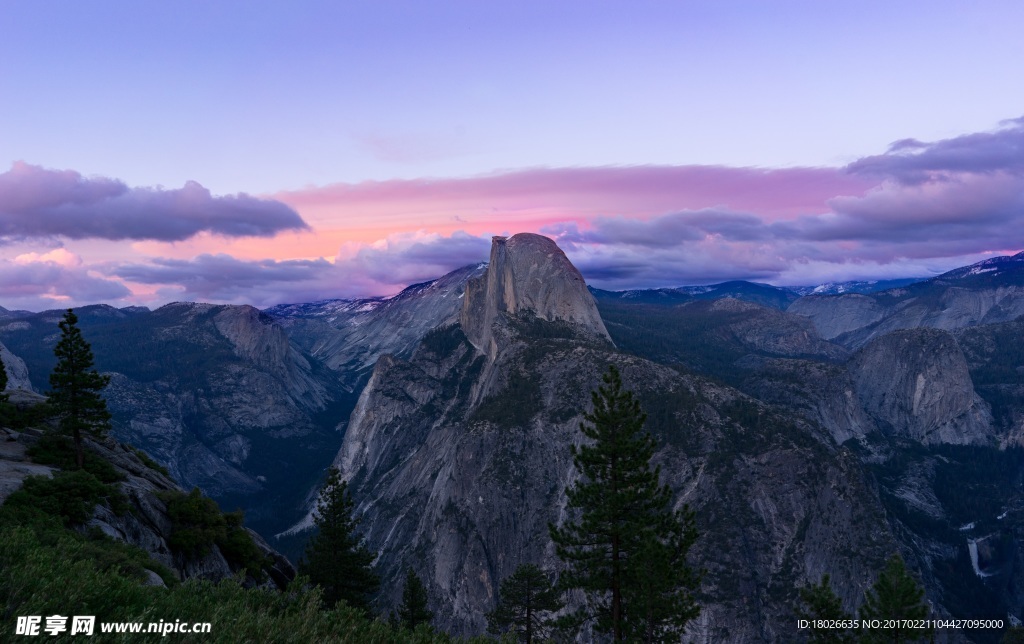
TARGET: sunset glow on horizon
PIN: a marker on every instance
(267, 154)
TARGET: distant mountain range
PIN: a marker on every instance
(778, 297)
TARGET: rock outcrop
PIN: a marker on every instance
(146, 524)
(15, 466)
(348, 336)
(916, 384)
(149, 527)
(17, 372)
(527, 274)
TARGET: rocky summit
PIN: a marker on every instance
(527, 274)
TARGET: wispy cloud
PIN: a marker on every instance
(602, 191)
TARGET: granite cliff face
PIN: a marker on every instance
(348, 336)
(823, 393)
(17, 372)
(527, 274)
(916, 384)
(912, 384)
(459, 458)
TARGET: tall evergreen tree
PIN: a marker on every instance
(75, 387)
(5, 408)
(336, 558)
(895, 596)
(627, 550)
(526, 601)
(3, 382)
(820, 602)
(413, 610)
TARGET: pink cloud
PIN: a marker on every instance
(60, 256)
(55, 279)
(538, 197)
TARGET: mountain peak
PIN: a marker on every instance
(529, 274)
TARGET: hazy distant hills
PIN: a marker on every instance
(989, 292)
(778, 297)
(764, 294)
(6, 314)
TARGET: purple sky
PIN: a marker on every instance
(261, 151)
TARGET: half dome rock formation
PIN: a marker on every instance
(527, 274)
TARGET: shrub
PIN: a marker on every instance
(57, 450)
(240, 549)
(68, 495)
(196, 522)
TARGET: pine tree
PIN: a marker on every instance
(526, 601)
(627, 550)
(413, 610)
(75, 387)
(895, 596)
(3, 382)
(336, 558)
(5, 407)
(821, 603)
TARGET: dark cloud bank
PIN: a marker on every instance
(37, 202)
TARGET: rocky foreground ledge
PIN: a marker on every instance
(146, 524)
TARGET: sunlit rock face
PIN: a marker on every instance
(527, 274)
